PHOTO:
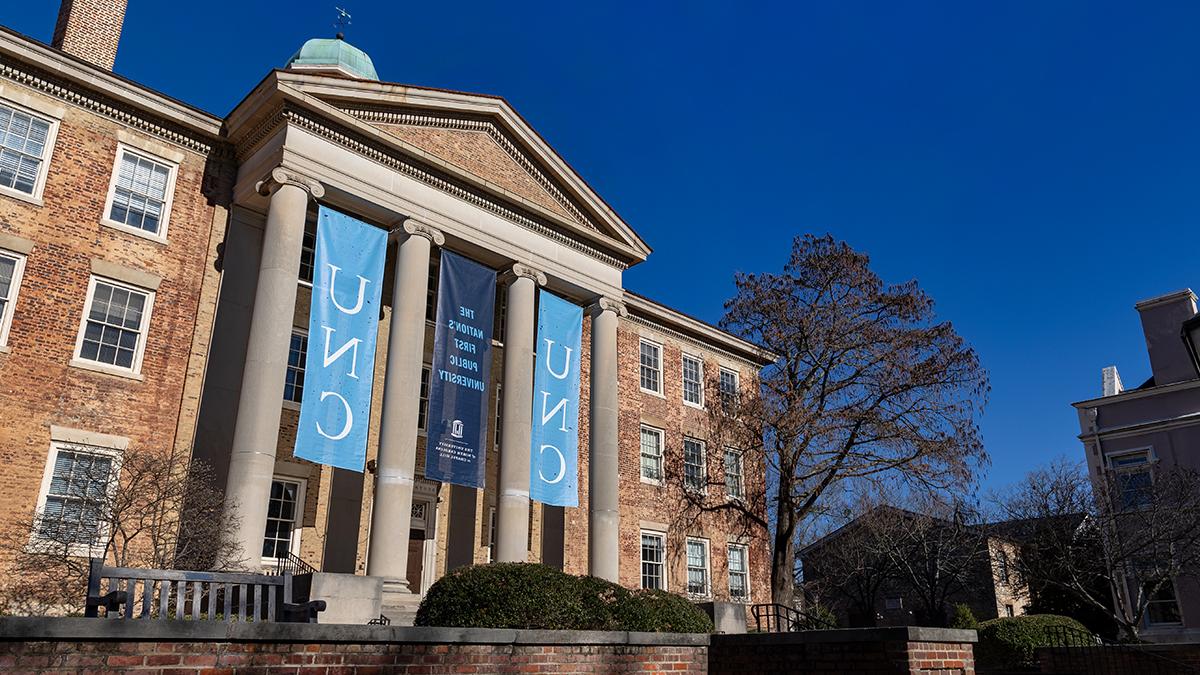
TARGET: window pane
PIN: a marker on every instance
(114, 326)
(733, 473)
(140, 192)
(22, 146)
(651, 454)
(76, 495)
(293, 386)
(652, 561)
(282, 516)
(693, 463)
(650, 367)
(697, 567)
(692, 387)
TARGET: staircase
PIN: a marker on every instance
(400, 606)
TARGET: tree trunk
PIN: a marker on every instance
(783, 557)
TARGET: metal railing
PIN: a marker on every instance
(293, 564)
(381, 621)
(1079, 651)
(776, 618)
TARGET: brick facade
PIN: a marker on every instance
(90, 29)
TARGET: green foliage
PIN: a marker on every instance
(1010, 642)
(964, 618)
(818, 617)
(521, 595)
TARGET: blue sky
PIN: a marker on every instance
(1032, 164)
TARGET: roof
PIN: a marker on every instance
(334, 54)
(698, 330)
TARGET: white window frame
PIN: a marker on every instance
(683, 379)
(491, 540)
(1150, 622)
(39, 185)
(737, 386)
(135, 370)
(662, 451)
(729, 571)
(658, 346)
(297, 524)
(741, 473)
(168, 201)
(287, 402)
(662, 538)
(708, 582)
(1151, 461)
(702, 488)
(80, 550)
(307, 283)
(10, 307)
(423, 403)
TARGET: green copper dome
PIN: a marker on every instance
(323, 54)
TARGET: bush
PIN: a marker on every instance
(818, 617)
(964, 618)
(1010, 642)
(522, 595)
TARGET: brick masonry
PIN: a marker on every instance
(90, 29)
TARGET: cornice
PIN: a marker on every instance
(485, 126)
(695, 342)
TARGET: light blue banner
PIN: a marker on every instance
(342, 325)
(554, 454)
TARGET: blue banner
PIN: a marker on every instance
(342, 325)
(456, 443)
(554, 455)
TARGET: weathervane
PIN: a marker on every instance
(343, 20)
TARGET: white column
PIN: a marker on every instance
(256, 434)
(603, 480)
(395, 468)
(512, 512)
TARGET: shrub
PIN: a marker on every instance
(964, 618)
(1010, 642)
(818, 617)
(522, 595)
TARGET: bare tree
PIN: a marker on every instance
(869, 386)
(139, 509)
(1114, 542)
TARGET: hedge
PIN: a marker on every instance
(1011, 642)
(524, 595)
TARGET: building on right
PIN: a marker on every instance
(1129, 435)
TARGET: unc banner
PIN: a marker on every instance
(554, 459)
(456, 442)
(342, 324)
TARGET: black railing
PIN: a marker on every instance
(292, 564)
(776, 618)
(381, 621)
(1080, 651)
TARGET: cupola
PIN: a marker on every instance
(333, 57)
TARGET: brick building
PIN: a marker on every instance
(155, 282)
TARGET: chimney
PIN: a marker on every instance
(90, 30)
(1162, 321)
(1111, 381)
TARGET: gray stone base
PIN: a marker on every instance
(349, 598)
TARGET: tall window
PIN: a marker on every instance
(654, 545)
(114, 325)
(739, 574)
(432, 293)
(24, 145)
(694, 477)
(423, 401)
(1163, 606)
(1133, 480)
(293, 386)
(651, 361)
(734, 478)
(308, 252)
(283, 510)
(140, 195)
(1002, 567)
(11, 267)
(729, 389)
(499, 413)
(693, 380)
(697, 566)
(73, 507)
(652, 454)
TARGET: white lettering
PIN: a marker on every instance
(566, 361)
(561, 405)
(349, 417)
(362, 287)
(350, 344)
(562, 465)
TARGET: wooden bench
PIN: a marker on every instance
(130, 593)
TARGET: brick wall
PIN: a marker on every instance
(923, 651)
(1121, 659)
(90, 29)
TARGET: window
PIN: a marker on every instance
(739, 574)
(693, 380)
(1002, 567)
(697, 567)
(652, 454)
(893, 603)
(1008, 610)
(11, 267)
(651, 360)
(734, 480)
(423, 399)
(654, 546)
(432, 293)
(499, 412)
(139, 198)
(308, 252)
(25, 142)
(72, 510)
(283, 518)
(498, 322)
(694, 477)
(729, 390)
(114, 325)
(293, 386)
(1133, 479)
(1163, 607)
(491, 533)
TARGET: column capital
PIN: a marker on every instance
(415, 227)
(280, 176)
(521, 270)
(607, 304)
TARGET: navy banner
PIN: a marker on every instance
(342, 324)
(456, 444)
(554, 455)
